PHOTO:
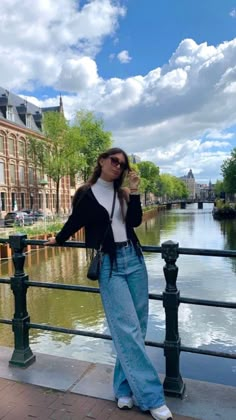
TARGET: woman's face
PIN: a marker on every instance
(112, 166)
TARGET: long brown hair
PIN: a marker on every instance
(97, 172)
(98, 169)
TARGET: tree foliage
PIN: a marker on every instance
(68, 149)
(60, 153)
(228, 170)
(219, 188)
(171, 187)
(149, 174)
(95, 139)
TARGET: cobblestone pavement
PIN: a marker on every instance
(21, 401)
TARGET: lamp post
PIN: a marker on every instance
(43, 184)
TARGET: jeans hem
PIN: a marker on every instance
(145, 408)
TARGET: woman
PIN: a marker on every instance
(123, 277)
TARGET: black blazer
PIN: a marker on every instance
(88, 213)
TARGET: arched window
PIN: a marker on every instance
(2, 173)
(21, 149)
(1, 142)
(22, 175)
(11, 146)
(12, 173)
(31, 176)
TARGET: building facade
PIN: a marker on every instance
(23, 186)
(205, 192)
(189, 180)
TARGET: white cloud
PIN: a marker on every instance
(164, 115)
(77, 74)
(233, 13)
(217, 134)
(177, 159)
(124, 57)
(44, 41)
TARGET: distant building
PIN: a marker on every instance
(189, 180)
(19, 180)
(205, 191)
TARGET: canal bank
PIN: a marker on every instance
(202, 400)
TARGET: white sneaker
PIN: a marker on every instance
(125, 403)
(161, 413)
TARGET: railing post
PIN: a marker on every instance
(22, 355)
(173, 383)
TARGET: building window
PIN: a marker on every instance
(22, 198)
(47, 201)
(2, 173)
(31, 176)
(10, 113)
(54, 201)
(29, 120)
(22, 175)
(31, 200)
(12, 174)
(1, 143)
(21, 149)
(11, 146)
(13, 202)
(39, 175)
(40, 200)
(2, 201)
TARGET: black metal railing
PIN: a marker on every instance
(173, 384)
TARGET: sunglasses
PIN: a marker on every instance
(115, 162)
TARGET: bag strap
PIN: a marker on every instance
(113, 205)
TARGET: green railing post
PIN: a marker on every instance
(173, 383)
(22, 355)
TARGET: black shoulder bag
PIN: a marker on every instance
(96, 261)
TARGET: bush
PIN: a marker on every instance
(41, 228)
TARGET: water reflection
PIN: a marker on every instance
(202, 277)
(228, 228)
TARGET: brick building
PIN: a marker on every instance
(21, 183)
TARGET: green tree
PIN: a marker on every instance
(219, 188)
(60, 153)
(149, 174)
(95, 139)
(166, 186)
(180, 189)
(171, 187)
(228, 170)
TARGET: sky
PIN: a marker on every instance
(160, 73)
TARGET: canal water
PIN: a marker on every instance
(199, 277)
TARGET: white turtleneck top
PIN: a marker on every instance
(104, 192)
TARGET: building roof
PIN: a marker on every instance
(190, 174)
(20, 112)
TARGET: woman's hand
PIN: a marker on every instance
(133, 180)
(50, 241)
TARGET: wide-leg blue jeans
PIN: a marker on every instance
(125, 299)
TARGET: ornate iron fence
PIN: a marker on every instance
(173, 384)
